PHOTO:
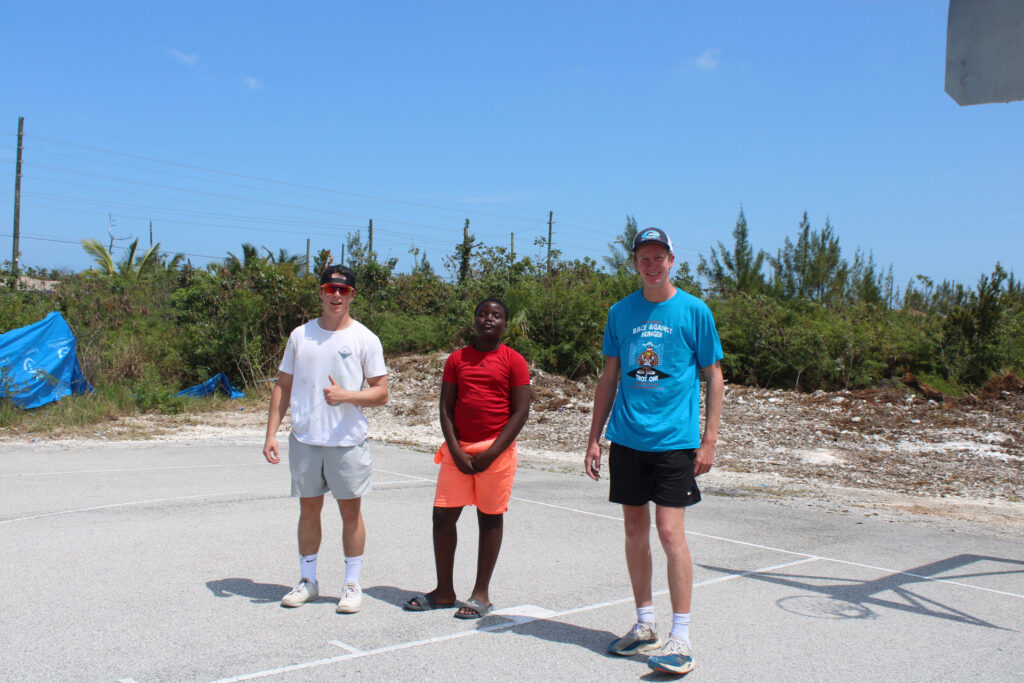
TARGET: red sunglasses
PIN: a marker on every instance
(332, 288)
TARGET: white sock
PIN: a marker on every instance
(645, 615)
(681, 627)
(353, 565)
(307, 567)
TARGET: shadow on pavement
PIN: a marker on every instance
(851, 599)
(259, 593)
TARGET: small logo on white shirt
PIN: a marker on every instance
(345, 352)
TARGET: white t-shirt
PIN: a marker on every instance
(314, 354)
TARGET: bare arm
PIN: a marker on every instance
(519, 403)
(462, 459)
(375, 394)
(705, 456)
(280, 397)
(604, 398)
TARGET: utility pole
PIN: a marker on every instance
(370, 255)
(17, 203)
(464, 254)
(150, 234)
(308, 267)
(551, 222)
(512, 247)
(342, 261)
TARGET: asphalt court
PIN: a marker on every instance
(156, 562)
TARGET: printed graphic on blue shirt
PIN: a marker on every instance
(661, 347)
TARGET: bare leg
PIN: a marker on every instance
(672, 531)
(446, 538)
(492, 529)
(637, 521)
(309, 524)
(353, 532)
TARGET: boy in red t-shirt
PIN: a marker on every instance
(485, 399)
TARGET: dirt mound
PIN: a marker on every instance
(1000, 385)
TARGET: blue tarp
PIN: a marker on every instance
(218, 381)
(39, 364)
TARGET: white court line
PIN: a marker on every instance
(517, 620)
(408, 476)
(119, 505)
(131, 469)
(809, 556)
(345, 646)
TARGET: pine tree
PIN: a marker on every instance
(739, 270)
(620, 256)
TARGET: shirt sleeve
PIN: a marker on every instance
(373, 361)
(610, 345)
(288, 360)
(519, 371)
(709, 346)
(450, 374)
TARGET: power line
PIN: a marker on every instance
(116, 248)
(269, 180)
(205, 180)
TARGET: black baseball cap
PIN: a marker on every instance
(338, 275)
(652, 235)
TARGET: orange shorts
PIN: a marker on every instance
(489, 490)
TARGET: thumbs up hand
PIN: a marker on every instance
(334, 395)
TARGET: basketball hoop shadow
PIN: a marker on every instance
(831, 598)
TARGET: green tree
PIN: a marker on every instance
(813, 268)
(130, 267)
(973, 327)
(420, 264)
(250, 257)
(738, 270)
(620, 251)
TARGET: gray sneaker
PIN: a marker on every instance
(675, 658)
(641, 638)
(304, 592)
(351, 599)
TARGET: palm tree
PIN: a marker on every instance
(129, 267)
(250, 254)
(284, 257)
(102, 257)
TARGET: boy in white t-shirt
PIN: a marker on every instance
(321, 379)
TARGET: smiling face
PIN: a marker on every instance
(335, 298)
(490, 321)
(654, 263)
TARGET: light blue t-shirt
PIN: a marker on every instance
(661, 348)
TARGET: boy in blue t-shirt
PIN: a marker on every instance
(655, 341)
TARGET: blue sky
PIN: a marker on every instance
(234, 122)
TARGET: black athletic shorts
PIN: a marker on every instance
(665, 477)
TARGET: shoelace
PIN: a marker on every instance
(350, 590)
(677, 647)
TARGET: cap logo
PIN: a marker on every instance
(651, 234)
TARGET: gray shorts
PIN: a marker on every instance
(345, 471)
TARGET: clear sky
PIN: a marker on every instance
(232, 122)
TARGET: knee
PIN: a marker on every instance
(490, 522)
(350, 515)
(445, 518)
(672, 537)
(310, 507)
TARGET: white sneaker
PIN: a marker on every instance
(351, 599)
(304, 592)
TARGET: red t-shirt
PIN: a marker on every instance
(485, 382)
